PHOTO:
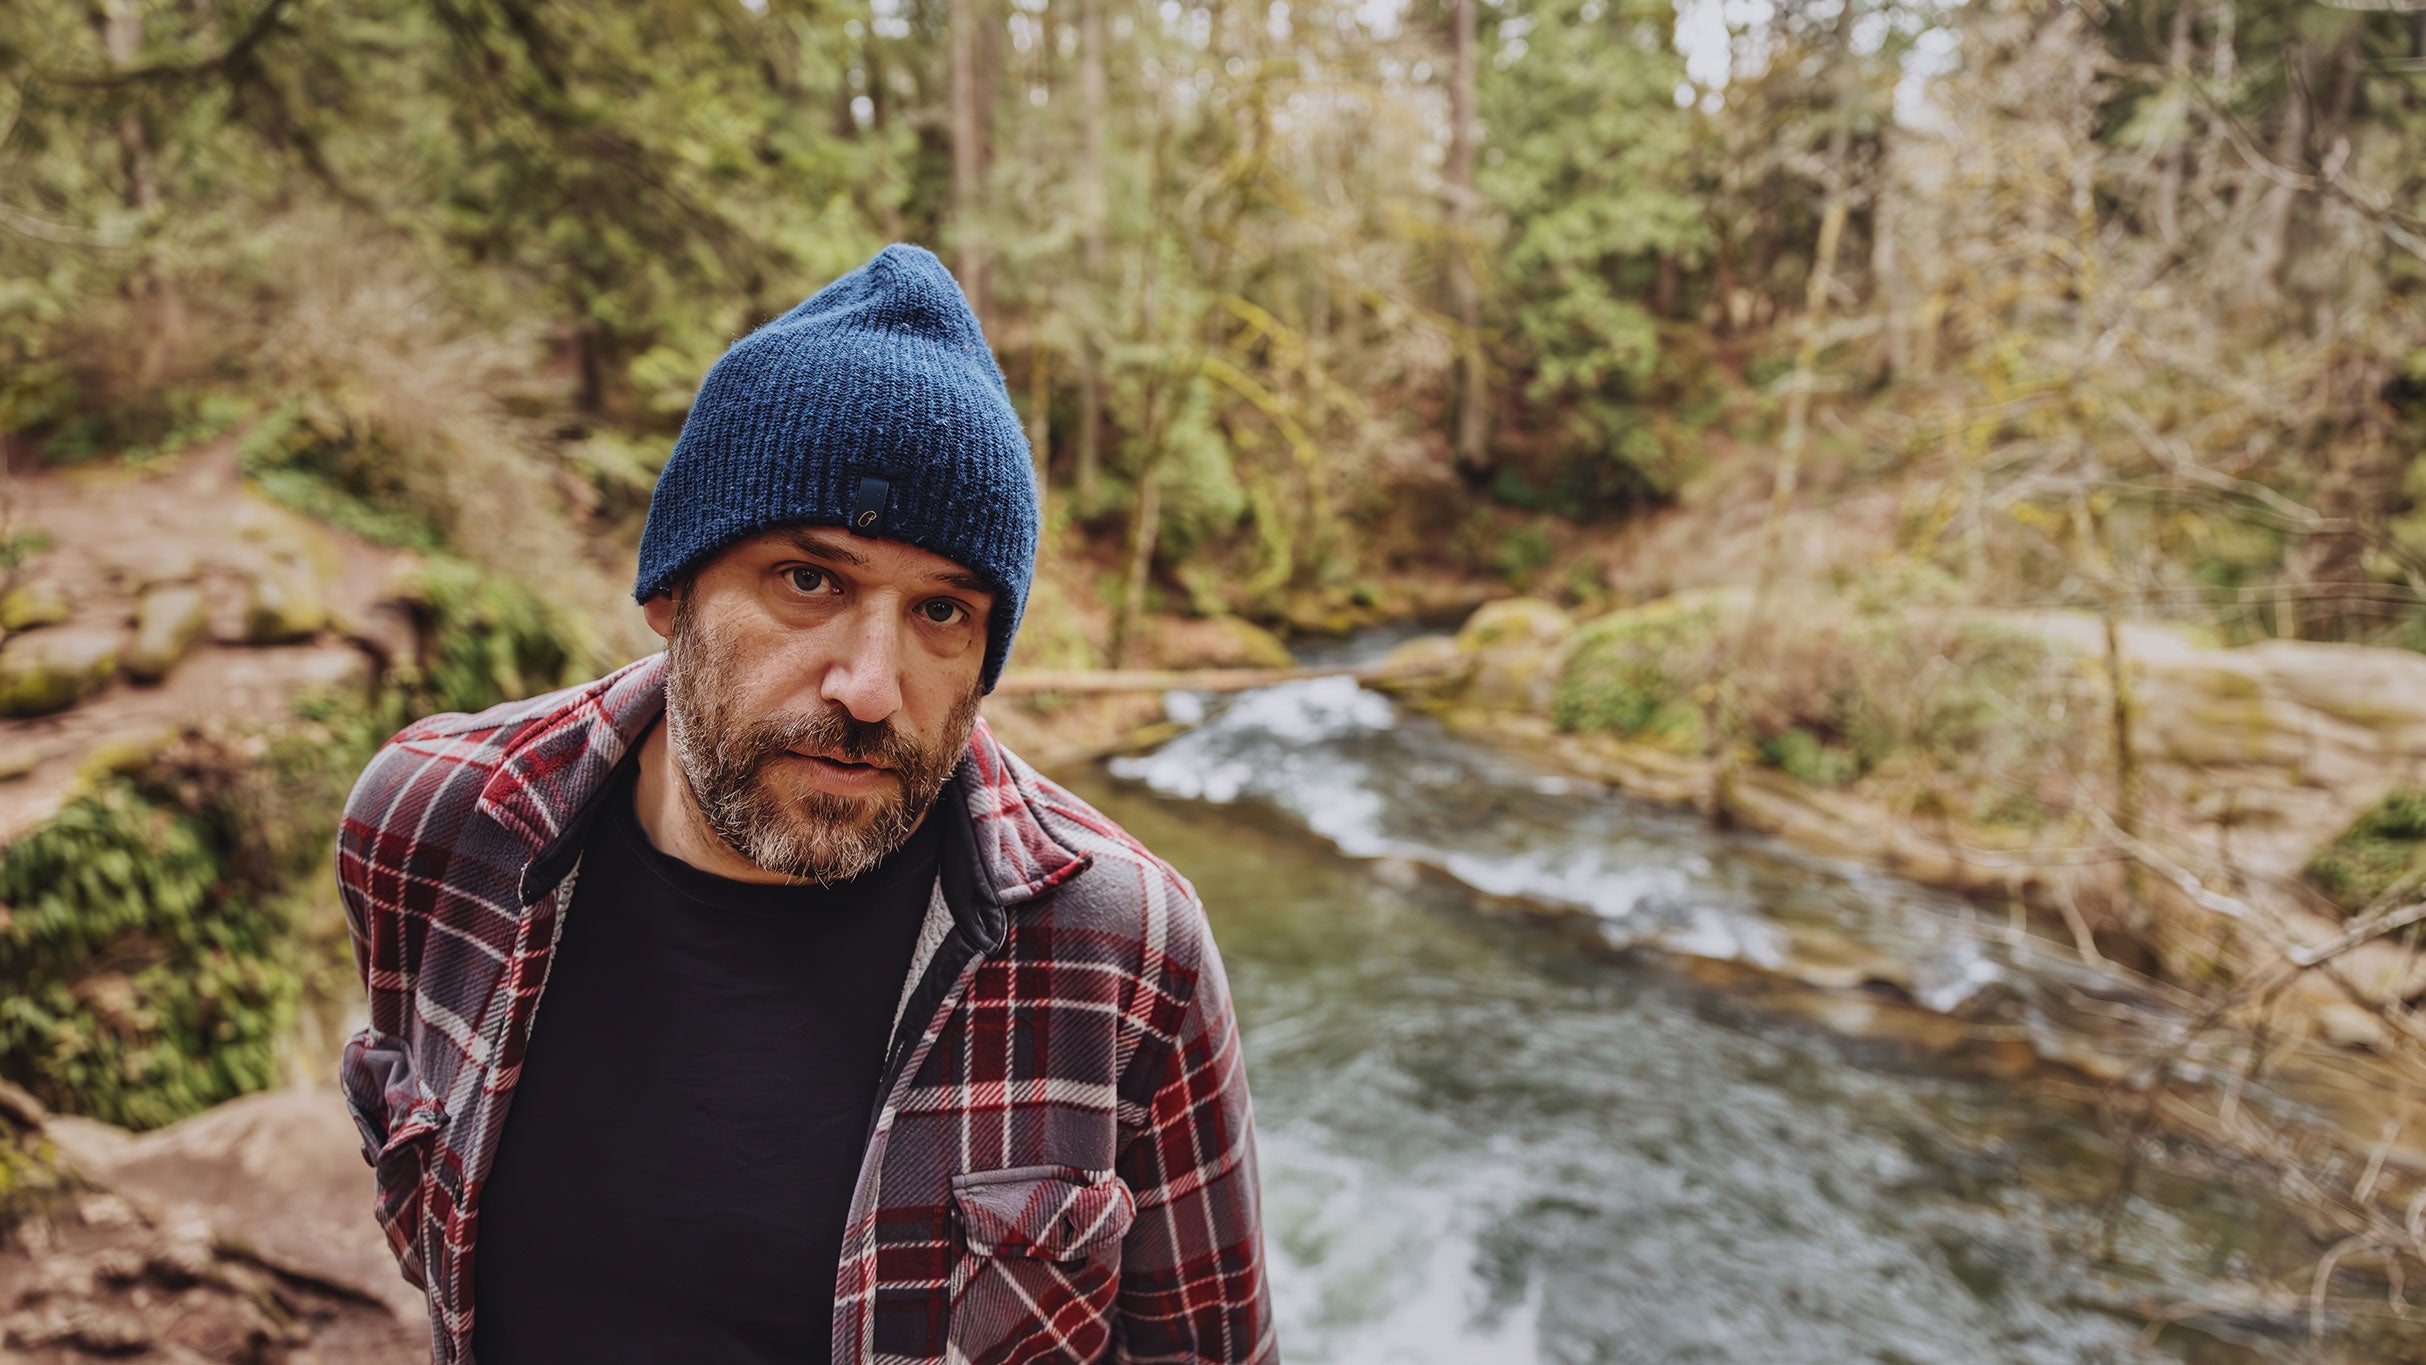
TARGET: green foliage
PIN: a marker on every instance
(621, 470)
(488, 638)
(16, 547)
(1594, 167)
(2382, 854)
(139, 434)
(1632, 674)
(30, 1173)
(1524, 551)
(1202, 500)
(159, 935)
(1882, 688)
(306, 455)
(1806, 758)
(143, 986)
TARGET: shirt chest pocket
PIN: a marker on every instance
(1036, 1262)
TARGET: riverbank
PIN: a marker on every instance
(2251, 772)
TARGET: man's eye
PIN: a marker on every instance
(941, 612)
(809, 579)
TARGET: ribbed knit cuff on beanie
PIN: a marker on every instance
(874, 405)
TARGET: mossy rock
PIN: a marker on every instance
(1518, 645)
(1513, 621)
(282, 606)
(36, 602)
(1320, 613)
(2383, 852)
(51, 670)
(1254, 645)
(1633, 673)
(167, 622)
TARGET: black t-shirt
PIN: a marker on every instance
(679, 1154)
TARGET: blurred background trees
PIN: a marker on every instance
(2122, 301)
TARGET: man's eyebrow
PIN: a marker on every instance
(809, 542)
(824, 547)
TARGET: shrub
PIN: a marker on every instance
(144, 986)
(487, 638)
(155, 939)
(1632, 673)
(2382, 854)
(1964, 699)
(310, 457)
(1524, 552)
(1802, 756)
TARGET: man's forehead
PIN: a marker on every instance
(892, 558)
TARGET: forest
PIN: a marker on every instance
(1982, 441)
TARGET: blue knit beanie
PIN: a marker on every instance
(874, 405)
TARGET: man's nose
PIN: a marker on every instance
(865, 676)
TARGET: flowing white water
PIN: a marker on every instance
(1489, 1138)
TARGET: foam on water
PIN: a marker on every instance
(1483, 1142)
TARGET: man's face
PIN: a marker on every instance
(820, 688)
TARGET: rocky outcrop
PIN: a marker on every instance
(36, 602)
(242, 1235)
(50, 670)
(237, 606)
(2250, 760)
(168, 619)
(1517, 645)
(281, 606)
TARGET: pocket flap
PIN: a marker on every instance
(1053, 1213)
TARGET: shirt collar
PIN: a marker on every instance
(551, 785)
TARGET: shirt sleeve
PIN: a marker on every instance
(1192, 1288)
(374, 1069)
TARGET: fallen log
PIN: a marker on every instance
(1028, 682)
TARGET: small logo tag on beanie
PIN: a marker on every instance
(868, 509)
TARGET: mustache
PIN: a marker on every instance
(831, 730)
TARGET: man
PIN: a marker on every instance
(752, 1003)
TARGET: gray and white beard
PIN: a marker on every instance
(810, 834)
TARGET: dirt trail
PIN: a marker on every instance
(288, 605)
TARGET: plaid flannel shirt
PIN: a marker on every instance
(1062, 1161)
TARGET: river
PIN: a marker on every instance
(1544, 1074)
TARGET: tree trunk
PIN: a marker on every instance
(2126, 769)
(2169, 173)
(2290, 149)
(1040, 426)
(1143, 531)
(968, 164)
(159, 308)
(1093, 211)
(1465, 291)
(1887, 268)
(1806, 363)
(1090, 427)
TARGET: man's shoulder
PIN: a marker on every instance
(431, 773)
(1113, 884)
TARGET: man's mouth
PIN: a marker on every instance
(841, 763)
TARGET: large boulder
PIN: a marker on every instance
(1518, 645)
(167, 621)
(50, 670)
(1518, 621)
(1426, 668)
(281, 606)
(35, 602)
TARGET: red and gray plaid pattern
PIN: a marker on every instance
(1064, 1168)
